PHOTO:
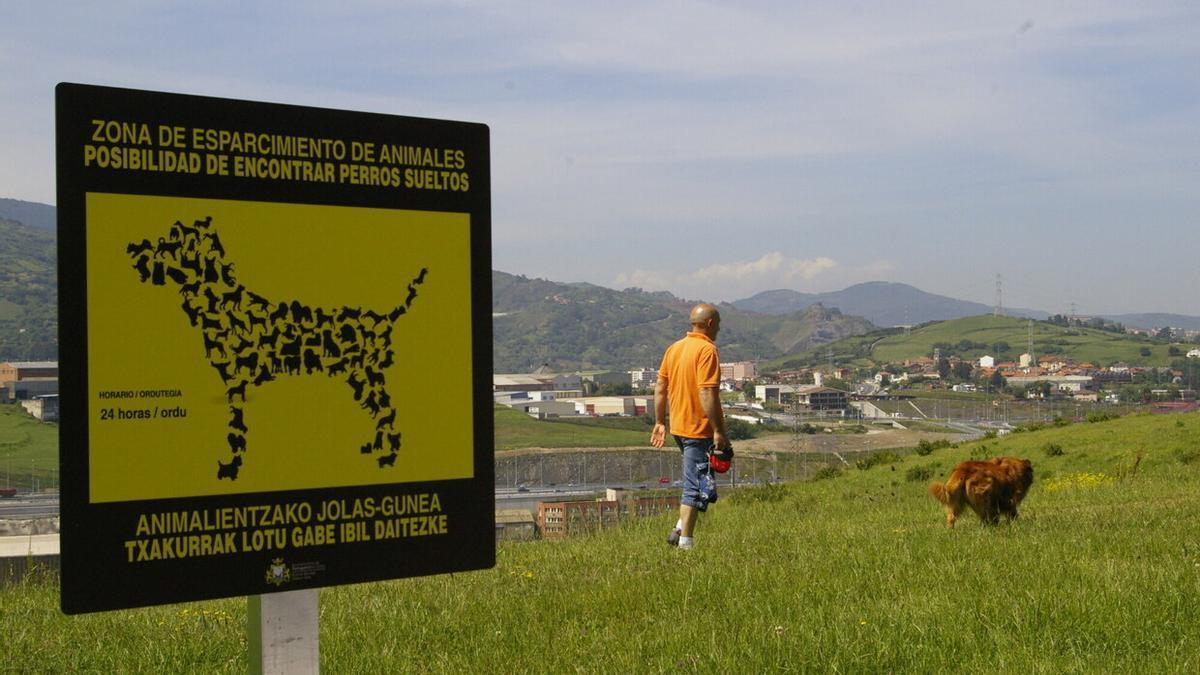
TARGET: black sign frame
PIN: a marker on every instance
(98, 571)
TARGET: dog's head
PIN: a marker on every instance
(1019, 471)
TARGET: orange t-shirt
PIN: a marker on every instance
(689, 365)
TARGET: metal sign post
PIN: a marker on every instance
(282, 631)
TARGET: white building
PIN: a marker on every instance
(987, 362)
(643, 378)
(1071, 383)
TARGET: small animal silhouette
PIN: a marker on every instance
(229, 470)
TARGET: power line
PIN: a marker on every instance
(999, 305)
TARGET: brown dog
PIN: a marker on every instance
(992, 488)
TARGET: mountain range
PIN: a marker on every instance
(40, 216)
(582, 326)
(894, 304)
(883, 303)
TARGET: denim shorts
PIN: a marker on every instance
(695, 452)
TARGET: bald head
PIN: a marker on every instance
(705, 319)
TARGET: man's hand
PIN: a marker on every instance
(658, 435)
(720, 441)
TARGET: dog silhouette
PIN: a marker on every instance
(229, 470)
(248, 331)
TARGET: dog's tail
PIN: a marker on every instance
(412, 295)
(949, 492)
(938, 491)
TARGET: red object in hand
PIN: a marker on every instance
(717, 464)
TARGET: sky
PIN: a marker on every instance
(716, 150)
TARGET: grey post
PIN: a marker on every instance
(282, 632)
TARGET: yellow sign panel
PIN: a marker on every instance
(239, 346)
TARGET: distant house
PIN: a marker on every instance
(515, 525)
(775, 393)
(44, 407)
(643, 378)
(811, 397)
(545, 409)
(607, 405)
(738, 371)
(539, 380)
(1068, 383)
(561, 519)
(602, 377)
(987, 362)
(25, 379)
(519, 382)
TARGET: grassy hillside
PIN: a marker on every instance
(514, 429)
(583, 326)
(27, 447)
(985, 333)
(856, 573)
(28, 293)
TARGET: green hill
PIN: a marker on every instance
(28, 449)
(1003, 337)
(514, 429)
(28, 293)
(854, 573)
(583, 326)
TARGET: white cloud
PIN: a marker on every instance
(732, 280)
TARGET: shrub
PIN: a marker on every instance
(1187, 456)
(1094, 417)
(990, 433)
(919, 473)
(1060, 421)
(881, 457)
(827, 473)
(924, 447)
(981, 453)
(1053, 450)
(739, 430)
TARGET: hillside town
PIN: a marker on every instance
(840, 390)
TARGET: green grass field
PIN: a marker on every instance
(515, 429)
(855, 573)
(27, 448)
(1080, 344)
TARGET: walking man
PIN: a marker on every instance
(689, 379)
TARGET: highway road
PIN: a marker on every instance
(28, 506)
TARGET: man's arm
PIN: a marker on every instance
(710, 401)
(659, 433)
